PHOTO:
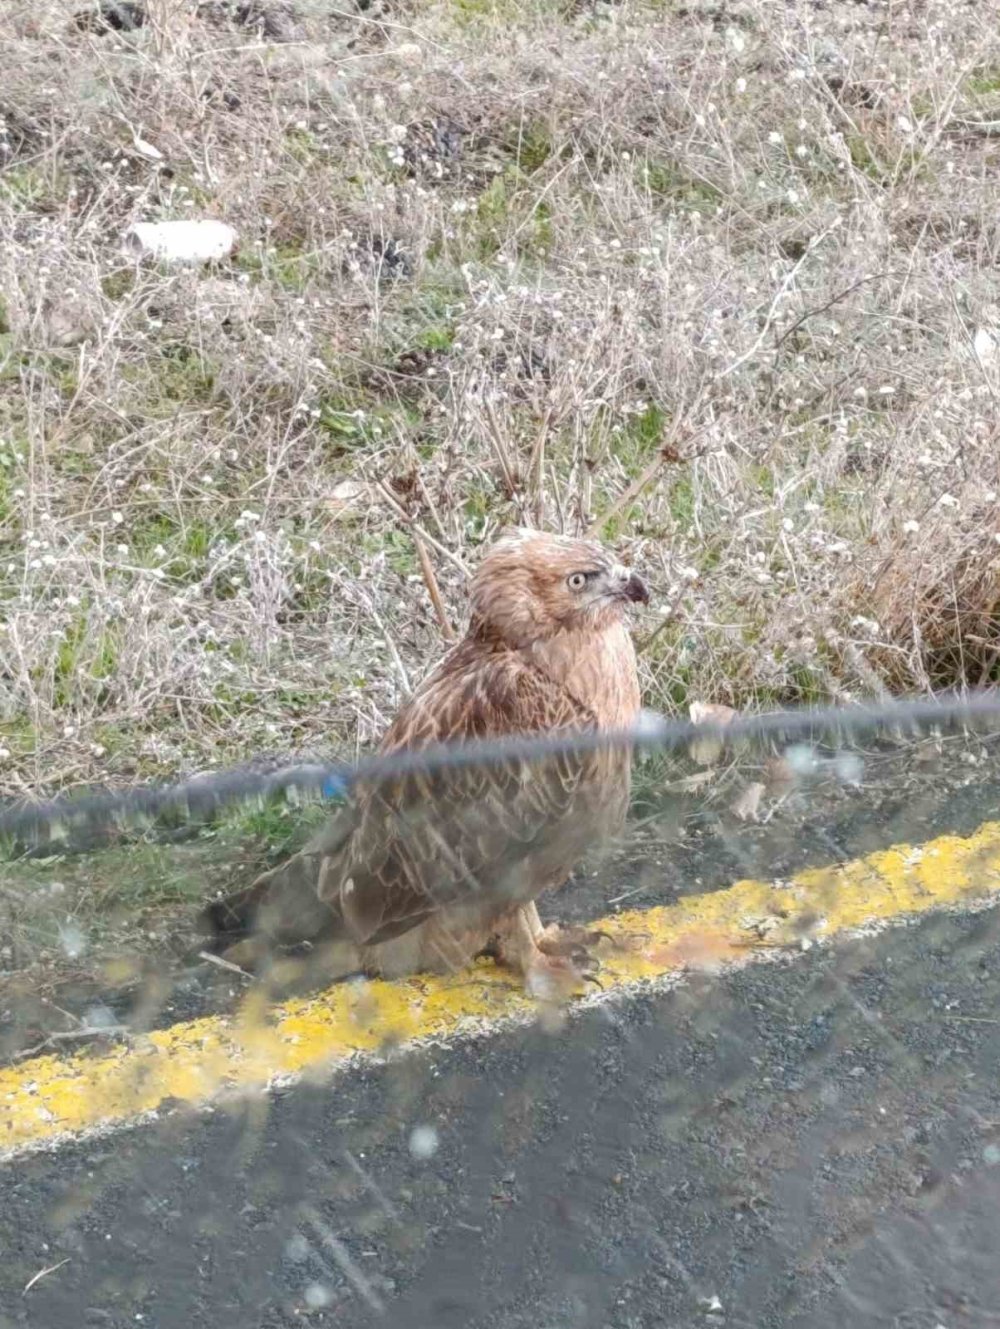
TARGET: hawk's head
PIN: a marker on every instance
(530, 586)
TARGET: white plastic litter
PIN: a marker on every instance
(181, 241)
(986, 345)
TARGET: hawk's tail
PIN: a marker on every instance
(281, 908)
(225, 922)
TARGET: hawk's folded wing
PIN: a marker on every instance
(499, 831)
(405, 847)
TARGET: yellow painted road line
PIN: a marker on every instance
(200, 1061)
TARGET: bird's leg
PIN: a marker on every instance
(563, 939)
(523, 944)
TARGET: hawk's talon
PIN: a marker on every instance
(574, 942)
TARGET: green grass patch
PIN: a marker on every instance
(303, 146)
(680, 498)
(621, 524)
(763, 478)
(175, 375)
(30, 187)
(19, 735)
(506, 209)
(6, 503)
(530, 146)
(634, 442)
(509, 13)
(279, 825)
(398, 549)
(425, 320)
(436, 337)
(984, 82)
(180, 546)
(120, 283)
(357, 421)
(480, 504)
(59, 368)
(669, 182)
(289, 266)
(871, 160)
(84, 658)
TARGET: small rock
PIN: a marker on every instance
(747, 806)
(345, 493)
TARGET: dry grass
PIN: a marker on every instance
(716, 272)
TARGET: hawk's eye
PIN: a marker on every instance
(576, 581)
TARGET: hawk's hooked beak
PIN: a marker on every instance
(631, 586)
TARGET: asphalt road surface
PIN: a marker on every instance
(797, 1144)
(813, 1141)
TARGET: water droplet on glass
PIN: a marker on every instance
(316, 1296)
(99, 1016)
(849, 767)
(72, 940)
(801, 758)
(423, 1142)
(297, 1248)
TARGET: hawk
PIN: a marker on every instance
(426, 869)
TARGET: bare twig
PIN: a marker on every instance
(511, 478)
(86, 1034)
(829, 304)
(44, 1273)
(669, 614)
(228, 965)
(666, 455)
(401, 512)
(536, 472)
(779, 295)
(433, 590)
(390, 641)
(627, 497)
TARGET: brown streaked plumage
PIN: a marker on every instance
(424, 871)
